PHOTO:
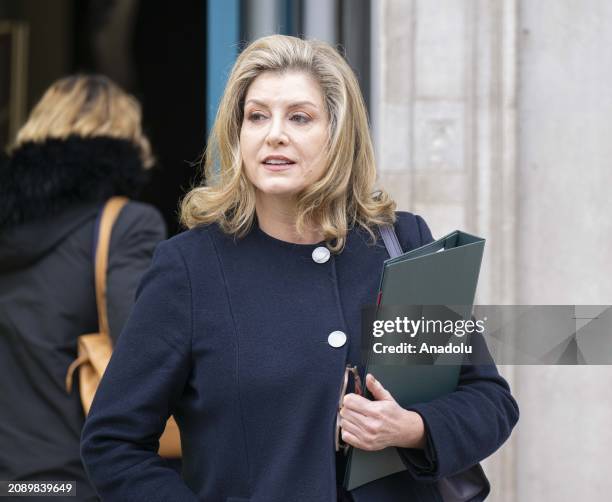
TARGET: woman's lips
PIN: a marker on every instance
(278, 167)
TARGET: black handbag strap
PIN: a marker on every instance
(389, 237)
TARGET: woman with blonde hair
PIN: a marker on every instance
(245, 323)
(82, 144)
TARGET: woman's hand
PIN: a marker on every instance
(374, 425)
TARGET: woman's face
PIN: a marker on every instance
(284, 133)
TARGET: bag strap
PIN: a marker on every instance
(111, 211)
(387, 232)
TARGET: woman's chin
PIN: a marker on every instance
(278, 189)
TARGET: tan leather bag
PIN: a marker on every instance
(95, 349)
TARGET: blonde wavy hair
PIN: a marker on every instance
(86, 106)
(342, 198)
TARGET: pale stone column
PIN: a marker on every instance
(565, 437)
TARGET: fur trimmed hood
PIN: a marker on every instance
(40, 180)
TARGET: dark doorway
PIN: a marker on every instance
(154, 49)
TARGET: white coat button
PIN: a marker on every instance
(320, 254)
(336, 339)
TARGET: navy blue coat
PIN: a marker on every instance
(231, 336)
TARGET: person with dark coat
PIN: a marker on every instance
(81, 145)
(244, 324)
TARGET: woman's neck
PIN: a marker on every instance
(277, 218)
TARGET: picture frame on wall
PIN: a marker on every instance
(13, 79)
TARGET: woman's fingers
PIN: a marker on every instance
(364, 431)
(352, 414)
(362, 422)
(373, 425)
(355, 435)
(379, 393)
(357, 403)
(350, 438)
(352, 427)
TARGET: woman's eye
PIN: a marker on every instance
(300, 118)
(256, 116)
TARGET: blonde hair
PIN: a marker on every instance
(343, 197)
(87, 106)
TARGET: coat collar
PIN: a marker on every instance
(41, 180)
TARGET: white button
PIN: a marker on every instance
(320, 254)
(336, 339)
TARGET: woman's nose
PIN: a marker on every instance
(277, 134)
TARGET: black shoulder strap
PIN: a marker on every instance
(387, 232)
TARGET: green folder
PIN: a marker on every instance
(443, 272)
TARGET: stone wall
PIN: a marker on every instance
(493, 117)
